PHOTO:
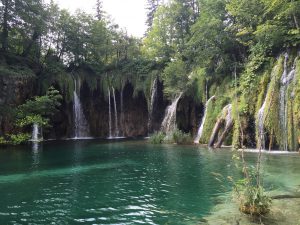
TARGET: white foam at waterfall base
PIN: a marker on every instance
(200, 130)
(169, 122)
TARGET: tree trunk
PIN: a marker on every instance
(5, 27)
(271, 140)
(296, 21)
(35, 36)
(227, 129)
(214, 134)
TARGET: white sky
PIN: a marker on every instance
(128, 14)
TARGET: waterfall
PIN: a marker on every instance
(169, 122)
(229, 115)
(116, 114)
(109, 114)
(206, 90)
(122, 112)
(81, 127)
(36, 134)
(261, 122)
(286, 79)
(200, 131)
(260, 125)
(153, 97)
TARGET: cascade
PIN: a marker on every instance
(109, 114)
(286, 79)
(260, 125)
(36, 133)
(169, 122)
(122, 112)
(261, 122)
(206, 90)
(81, 127)
(153, 97)
(116, 114)
(200, 130)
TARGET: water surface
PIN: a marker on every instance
(124, 182)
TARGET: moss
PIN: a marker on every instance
(181, 138)
(157, 138)
(241, 124)
(223, 92)
(294, 111)
(61, 79)
(272, 103)
(213, 111)
(263, 89)
(16, 71)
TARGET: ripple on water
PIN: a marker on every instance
(98, 185)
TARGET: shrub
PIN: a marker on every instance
(250, 193)
(16, 139)
(176, 136)
(180, 137)
(3, 141)
(157, 138)
(253, 199)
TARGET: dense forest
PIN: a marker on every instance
(234, 65)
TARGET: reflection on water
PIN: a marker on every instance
(36, 151)
(92, 182)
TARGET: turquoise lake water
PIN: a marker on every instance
(122, 182)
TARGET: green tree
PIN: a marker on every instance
(175, 77)
(152, 6)
(99, 10)
(39, 109)
(7, 17)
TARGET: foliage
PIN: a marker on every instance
(191, 50)
(157, 138)
(16, 71)
(17, 139)
(296, 107)
(39, 109)
(3, 142)
(272, 102)
(176, 136)
(180, 137)
(252, 197)
(175, 78)
(14, 139)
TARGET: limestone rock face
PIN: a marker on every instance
(14, 90)
(132, 116)
(132, 109)
(188, 115)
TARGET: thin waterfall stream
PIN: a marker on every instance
(36, 135)
(286, 79)
(169, 122)
(109, 115)
(200, 130)
(81, 127)
(122, 112)
(152, 100)
(116, 114)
